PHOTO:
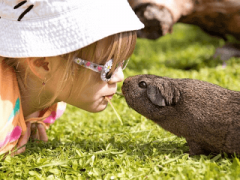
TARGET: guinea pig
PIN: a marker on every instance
(207, 115)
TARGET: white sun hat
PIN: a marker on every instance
(41, 28)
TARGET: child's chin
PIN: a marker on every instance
(98, 109)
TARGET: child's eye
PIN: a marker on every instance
(123, 64)
(119, 65)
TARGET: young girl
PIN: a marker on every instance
(54, 52)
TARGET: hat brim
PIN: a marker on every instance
(68, 31)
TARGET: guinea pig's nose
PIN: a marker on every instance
(125, 86)
(126, 81)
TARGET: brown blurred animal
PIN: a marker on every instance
(207, 115)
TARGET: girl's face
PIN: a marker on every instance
(91, 97)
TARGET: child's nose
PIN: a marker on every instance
(118, 76)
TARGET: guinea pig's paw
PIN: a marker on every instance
(196, 149)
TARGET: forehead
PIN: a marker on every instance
(118, 47)
(96, 52)
(102, 48)
(104, 43)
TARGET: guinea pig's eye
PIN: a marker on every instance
(142, 84)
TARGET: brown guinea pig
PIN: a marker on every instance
(207, 115)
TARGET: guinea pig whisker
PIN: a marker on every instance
(118, 93)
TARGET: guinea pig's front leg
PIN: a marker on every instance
(195, 148)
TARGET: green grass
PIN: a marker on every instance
(96, 146)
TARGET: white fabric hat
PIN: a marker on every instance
(41, 28)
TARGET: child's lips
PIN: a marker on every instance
(109, 96)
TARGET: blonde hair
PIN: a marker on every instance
(120, 48)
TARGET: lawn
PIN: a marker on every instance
(83, 145)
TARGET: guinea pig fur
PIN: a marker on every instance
(207, 115)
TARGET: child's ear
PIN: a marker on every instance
(40, 66)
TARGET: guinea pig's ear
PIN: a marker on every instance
(155, 96)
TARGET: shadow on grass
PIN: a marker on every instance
(140, 149)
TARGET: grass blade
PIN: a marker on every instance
(119, 118)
